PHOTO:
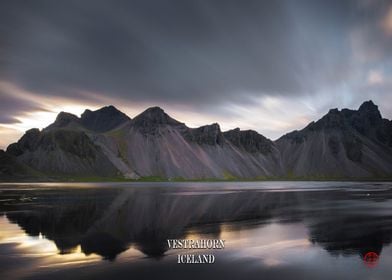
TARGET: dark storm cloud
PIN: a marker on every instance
(11, 106)
(180, 51)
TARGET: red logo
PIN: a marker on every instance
(371, 259)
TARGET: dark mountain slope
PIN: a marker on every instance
(249, 140)
(11, 169)
(60, 151)
(346, 143)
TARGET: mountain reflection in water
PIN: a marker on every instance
(344, 219)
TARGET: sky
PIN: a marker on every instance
(271, 66)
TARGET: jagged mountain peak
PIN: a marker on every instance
(368, 106)
(333, 111)
(153, 113)
(211, 127)
(207, 134)
(105, 109)
(334, 119)
(249, 140)
(154, 110)
(103, 119)
(63, 119)
(239, 131)
(154, 116)
(368, 110)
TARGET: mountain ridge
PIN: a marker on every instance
(107, 143)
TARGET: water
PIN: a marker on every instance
(272, 230)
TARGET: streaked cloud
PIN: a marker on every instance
(387, 22)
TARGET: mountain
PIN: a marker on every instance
(346, 143)
(154, 144)
(108, 144)
(62, 152)
(101, 120)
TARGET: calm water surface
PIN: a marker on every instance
(273, 230)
